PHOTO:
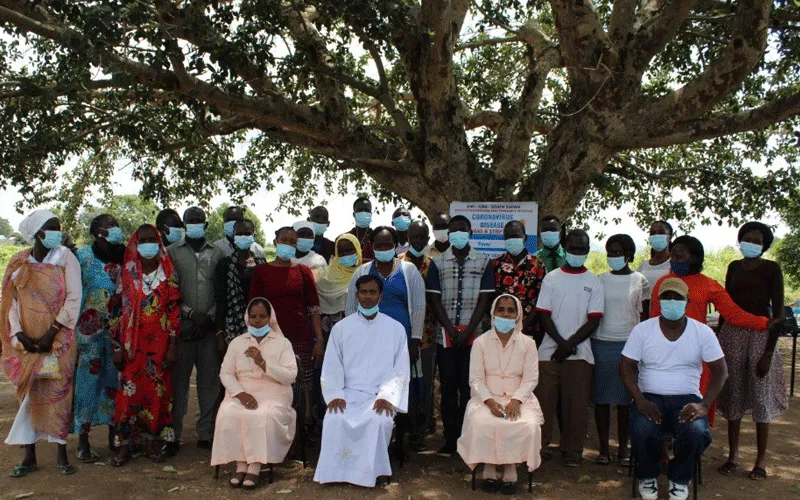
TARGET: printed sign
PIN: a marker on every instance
(489, 218)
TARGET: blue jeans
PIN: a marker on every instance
(691, 439)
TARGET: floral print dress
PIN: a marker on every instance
(95, 374)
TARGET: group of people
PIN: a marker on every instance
(110, 335)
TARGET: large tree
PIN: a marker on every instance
(578, 104)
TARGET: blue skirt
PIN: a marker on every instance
(608, 386)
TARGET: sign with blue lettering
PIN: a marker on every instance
(489, 218)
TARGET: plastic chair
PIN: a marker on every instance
(474, 480)
(299, 405)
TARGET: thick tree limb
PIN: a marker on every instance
(656, 24)
(620, 26)
(489, 119)
(485, 42)
(28, 89)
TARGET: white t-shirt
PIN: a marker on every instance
(671, 368)
(571, 298)
(653, 273)
(623, 305)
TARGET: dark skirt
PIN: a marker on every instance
(608, 386)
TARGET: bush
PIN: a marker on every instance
(6, 252)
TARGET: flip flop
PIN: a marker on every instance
(727, 468)
(88, 456)
(66, 470)
(22, 470)
(758, 474)
(602, 460)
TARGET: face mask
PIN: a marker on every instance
(319, 229)
(459, 239)
(576, 260)
(368, 312)
(52, 239)
(285, 252)
(515, 246)
(305, 244)
(258, 332)
(228, 226)
(658, 242)
(147, 250)
(195, 231)
(384, 255)
(417, 253)
(615, 263)
(440, 235)
(363, 219)
(750, 250)
(503, 325)
(348, 260)
(679, 268)
(673, 310)
(551, 239)
(114, 235)
(174, 234)
(401, 223)
(243, 241)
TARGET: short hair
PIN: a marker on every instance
(627, 244)
(244, 221)
(551, 217)
(95, 224)
(191, 210)
(260, 300)
(765, 231)
(695, 248)
(165, 214)
(231, 209)
(461, 218)
(392, 231)
(359, 200)
(369, 278)
(515, 223)
(282, 229)
(582, 234)
(665, 224)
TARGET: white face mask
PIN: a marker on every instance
(441, 235)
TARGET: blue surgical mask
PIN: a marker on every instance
(616, 263)
(363, 219)
(228, 226)
(174, 234)
(195, 231)
(147, 250)
(658, 242)
(319, 229)
(515, 246)
(305, 244)
(503, 325)
(348, 260)
(551, 239)
(673, 310)
(417, 253)
(750, 250)
(368, 312)
(114, 235)
(285, 252)
(52, 239)
(401, 223)
(576, 260)
(258, 332)
(384, 255)
(243, 241)
(679, 268)
(459, 239)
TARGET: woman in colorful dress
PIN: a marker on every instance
(95, 375)
(256, 421)
(41, 299)
(756, 383)
(145, 326)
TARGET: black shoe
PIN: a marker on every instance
(447, 451)
(204, 444)
(171, 449)
(508, 489)
(490, 485)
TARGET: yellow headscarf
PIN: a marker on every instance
(332, 285)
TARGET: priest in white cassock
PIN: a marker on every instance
(365, 379)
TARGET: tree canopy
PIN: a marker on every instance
(216, 230)
(130, 211)
(5, 228)
(579, 105)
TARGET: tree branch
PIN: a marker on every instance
(29, 89)
(485, 42)
(656, 23)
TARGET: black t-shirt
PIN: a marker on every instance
(752, 290)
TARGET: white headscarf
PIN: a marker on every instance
(301, 224)
(33, 223)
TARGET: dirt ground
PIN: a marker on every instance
(423, 476)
